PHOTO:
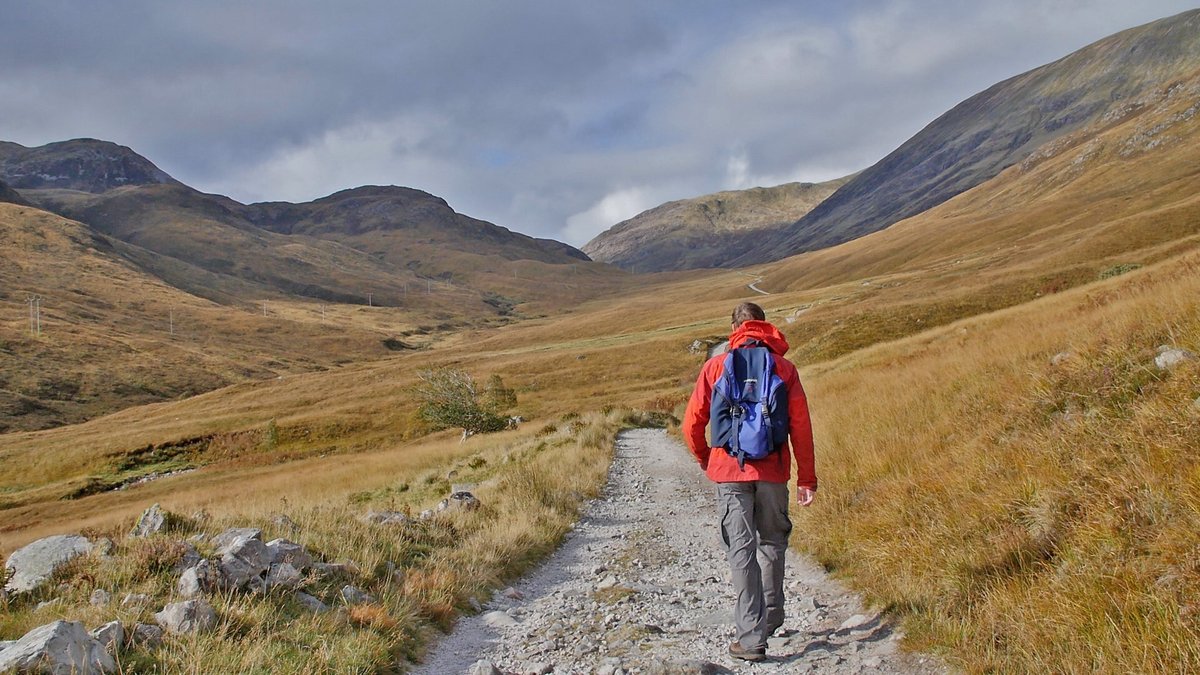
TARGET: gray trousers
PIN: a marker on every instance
(754, 525)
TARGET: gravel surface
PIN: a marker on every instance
(641, 586)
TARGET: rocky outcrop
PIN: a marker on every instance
(59, 648)
(152, 521)
(31, 565)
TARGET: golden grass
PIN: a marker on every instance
(531, 487)
(1024, 516)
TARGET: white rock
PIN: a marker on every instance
(497, 619)
(484, 667)
(31, 565)
(1172, 357)
(228, 537)
(59, 648)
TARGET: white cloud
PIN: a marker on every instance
(614, 207)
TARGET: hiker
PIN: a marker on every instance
(752, 494)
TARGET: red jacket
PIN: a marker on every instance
(776, 467)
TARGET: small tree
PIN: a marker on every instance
(451, 398)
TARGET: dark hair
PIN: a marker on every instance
(747, 311)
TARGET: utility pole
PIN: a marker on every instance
(172, 314)
(35, 315)
(322, 313)
(264, 307)
(369, 303)
(428, 286)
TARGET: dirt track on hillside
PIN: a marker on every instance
(641, 586)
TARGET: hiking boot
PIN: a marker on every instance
(737, 651)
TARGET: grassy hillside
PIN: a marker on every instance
(1022, 487)
(706, 231)
(996, 129)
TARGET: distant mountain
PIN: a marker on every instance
(995, 129)
(705, 231)
(83, 164)
(359, 246)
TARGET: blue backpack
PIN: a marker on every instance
(749, 410)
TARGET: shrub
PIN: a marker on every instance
(452, 398)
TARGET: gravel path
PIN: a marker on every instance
(641, 586)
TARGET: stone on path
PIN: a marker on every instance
(189, 616)
(31, 565)
(498, 619)
(484, 667)
(684, 667)
(59, 648)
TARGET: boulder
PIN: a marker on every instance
(311, 603)
(223, 540)
(284, 551)
(1169, 358)
(146, 635)
(203, 577)
(31, 565)
(189, 616)
(59, 648)
(111, 636)
(283, 575)
(464, 500)
(243, 560)
(353, 596)
(152, 521)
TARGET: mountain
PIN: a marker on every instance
(996, 129)
(368, 245)
(83, 164)
(705, 231)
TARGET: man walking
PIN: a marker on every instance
(752, 495)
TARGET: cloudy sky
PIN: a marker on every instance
(551, 117)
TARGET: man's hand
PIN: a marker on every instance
(804, 496)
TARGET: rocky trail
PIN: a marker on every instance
(641, 586)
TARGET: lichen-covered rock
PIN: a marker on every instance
(189, 616)
(59, 648)
(31, 565)
(152, 521)
(100, 597)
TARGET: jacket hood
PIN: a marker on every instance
(762, 331)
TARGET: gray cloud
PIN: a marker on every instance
(556, 119)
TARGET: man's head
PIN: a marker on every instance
(747, 311)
